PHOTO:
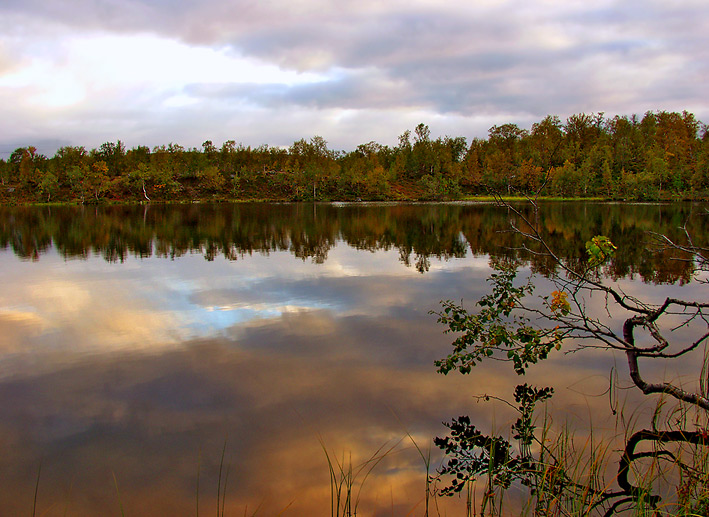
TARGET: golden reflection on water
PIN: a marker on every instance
(125, 381)
(107, 370)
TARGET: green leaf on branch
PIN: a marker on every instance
(599, 250)
(494, 331)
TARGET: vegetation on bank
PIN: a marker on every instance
(663, 155)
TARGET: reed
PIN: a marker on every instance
(426, 459)
(347, 479)
(221, 491)
(118, 494)
(36, 490)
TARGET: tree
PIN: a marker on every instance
(313, 162)
(363, 172)
(210, 179)
(210, 151)
(48, 184)
(76, 175)
(545, 140)
(700, 179)
(25, 161)
(582, 132)
(97, 180)
(137, 179)
(472, 166)
(113, 155)
(515, 326)
(67, 157)
(422, 152)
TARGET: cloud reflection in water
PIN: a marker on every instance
(144, 369)
(129, 369)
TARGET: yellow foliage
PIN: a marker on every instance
(560, 302)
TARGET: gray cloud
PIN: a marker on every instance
(511, 61)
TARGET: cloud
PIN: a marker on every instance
(152, 72)
(6, 61)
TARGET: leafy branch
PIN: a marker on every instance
(513, 324)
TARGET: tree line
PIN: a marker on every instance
(663, 155)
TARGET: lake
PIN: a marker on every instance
(158, 360)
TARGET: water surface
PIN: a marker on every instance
(137, 342)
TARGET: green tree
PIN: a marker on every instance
(313, 163)
(48, 184)
(67, 157)
(566, 180)
(113, 156)
(77, 178)
(210, 152)
(210, 179)
(139, 179)
(402, 164)
(422, 153)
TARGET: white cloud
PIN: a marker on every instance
(99, 68)
(273, 71)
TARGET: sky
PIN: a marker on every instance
(154, 72)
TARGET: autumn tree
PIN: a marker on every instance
(113, 156)
(23, 164)
(364, 172)
(97, 179)
(502, 156)
(545, 141)
(472, 166)
(700, 178)
(676, 138)
(312, 162)
(582, 131)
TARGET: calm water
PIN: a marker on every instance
(135, 342)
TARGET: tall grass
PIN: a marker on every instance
(222, 490)
(118, 494)
(36, 490)
(426, 459)
(347, 479)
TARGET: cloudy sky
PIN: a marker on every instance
(151, 72)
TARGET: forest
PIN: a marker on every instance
(659, 156)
